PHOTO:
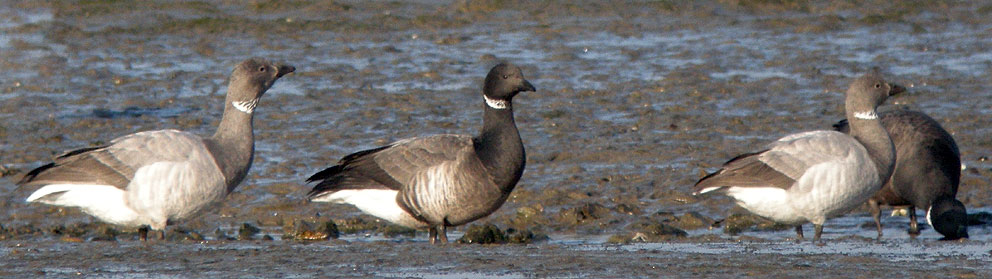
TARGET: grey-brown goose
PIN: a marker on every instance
(437, 181)
(153, 178)
(926, 175)
(812, 176)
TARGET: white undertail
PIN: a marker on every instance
(376, 202)
(105, 202)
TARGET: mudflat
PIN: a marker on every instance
(635, 102)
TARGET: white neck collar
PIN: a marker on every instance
(496, 104)
(245, 106)
(866, 115)
(928, 215)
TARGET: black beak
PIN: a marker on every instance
(527, 86)
(285, 69)
(896, 89)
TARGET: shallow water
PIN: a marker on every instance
(633, 103)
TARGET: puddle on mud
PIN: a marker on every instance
(630, 110)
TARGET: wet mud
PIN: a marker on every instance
(635, 102)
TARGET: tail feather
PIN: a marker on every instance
(358, 155)
(88, 165)
(355, 171)
(745, 170)
(842, 126)
(342, 181)
(326, 173)
(707, 184)
(34, 173)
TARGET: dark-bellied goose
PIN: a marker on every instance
(437, 181)
(812, 176)
(926, 173)
(153, 178)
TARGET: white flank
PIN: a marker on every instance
(246, 107)
(496, 104)
(102, 201)
(375, 202)
(866, 115)
(175, 190)
(768, 202)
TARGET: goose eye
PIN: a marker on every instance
(262, 69)
(505, 77)
(878, 85)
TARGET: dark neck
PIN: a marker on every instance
(875, 139)
(233, 145)
(499, 147)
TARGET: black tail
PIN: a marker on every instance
(34, 173)
(339, 178)
(702, 183)
(31, 175)
(842, 126)
(325, 174)
(355, 171)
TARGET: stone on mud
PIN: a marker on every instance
(84, 231)
(484, 234)
(492, 234)
(304, 230)
(391, 230)
(525, 236)
(739, 222)
(528, 216)
(691, 221)
(248, 231)
(5, 171)
(180, 234)
(583, 214)
(648, 231)
(105, 233)
(356, 225)
(220, 234)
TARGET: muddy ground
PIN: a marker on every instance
(635, 101)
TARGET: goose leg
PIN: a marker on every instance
(432, 235)
(914, 228)
(819, 231)
(876, 213)
(143, 233)
(799, 233)
(443, 233)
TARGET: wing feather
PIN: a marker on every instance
(389, 167)
(782, 164)
(115, 164)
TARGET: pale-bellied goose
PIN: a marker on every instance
(437, 181)
(812, 176)
(153, 178)
(926, 173)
